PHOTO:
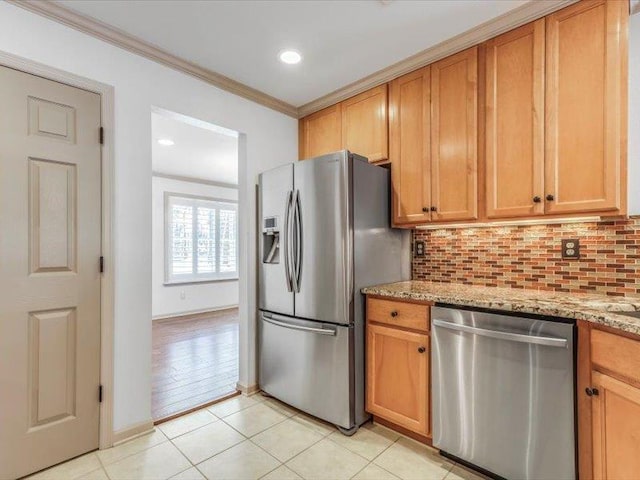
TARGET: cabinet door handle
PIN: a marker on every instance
(550, 198)
(394, 314)
(592, 392)
(421, 349)
(537, 199)
(434, 209)
(425, 209)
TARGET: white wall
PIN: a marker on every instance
(198, 297)
(634, 115)
(271, 139)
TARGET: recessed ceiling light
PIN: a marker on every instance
(166, 142)
(290, 57)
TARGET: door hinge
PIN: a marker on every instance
(101, 135)
(101, 264)
(100, 394)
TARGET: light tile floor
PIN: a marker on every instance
(255, 437)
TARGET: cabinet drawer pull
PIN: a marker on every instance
(394, 314)
(421, 349)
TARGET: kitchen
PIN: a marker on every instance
(508, 162)
(440, 283)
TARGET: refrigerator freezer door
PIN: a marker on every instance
(275, 195)
(306, 364)
(324, 267)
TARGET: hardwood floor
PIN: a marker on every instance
(195, 361)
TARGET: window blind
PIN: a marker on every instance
(201, 239)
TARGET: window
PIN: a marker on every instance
(201, 240)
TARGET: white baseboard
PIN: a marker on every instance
(134, 431)
(192, 312)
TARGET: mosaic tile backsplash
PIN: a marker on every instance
(530, 257)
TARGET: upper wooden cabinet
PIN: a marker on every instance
(586, 76)
(433, 141)
(454, 137)
(410, 146)
(514, 128)
(359, 124)
(321, 132)
(549, 137)
(364, 124)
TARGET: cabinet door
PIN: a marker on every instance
(364, 124)
(321, 132)
(515, 122)
(616, 429)
(410, 146)
(398, 377)
(586, 107)
(454, 134)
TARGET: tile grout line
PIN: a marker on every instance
(155, 429)
(388, 447)
(104, 469)
(208, 458)
(288, 460)
(234, 429)
(285, 412)
(326, 437)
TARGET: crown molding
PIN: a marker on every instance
(201, 181)
(119, 38)
(519, 16)
(508, 21)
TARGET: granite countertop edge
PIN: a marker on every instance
(556, 304)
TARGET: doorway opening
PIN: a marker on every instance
(194, 263)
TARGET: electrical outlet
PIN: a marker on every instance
(419, 248)
(571, 248)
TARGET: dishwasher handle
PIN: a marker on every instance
(513, 337)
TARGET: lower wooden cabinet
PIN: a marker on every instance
(398, 377)
(616, 428)
(608, 404)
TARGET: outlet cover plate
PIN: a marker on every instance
(571, 248)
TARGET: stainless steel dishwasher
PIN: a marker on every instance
(503, 391)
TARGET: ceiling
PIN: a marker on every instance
(341, 41)
(201, 150)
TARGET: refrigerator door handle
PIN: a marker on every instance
(286, 235)
(321, 331)
(298, 242)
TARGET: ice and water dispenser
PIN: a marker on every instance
(270, 240)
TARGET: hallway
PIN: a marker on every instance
(195, 361)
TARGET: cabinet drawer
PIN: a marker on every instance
(398, 314)
(616, 353)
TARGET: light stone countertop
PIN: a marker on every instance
(598, 309)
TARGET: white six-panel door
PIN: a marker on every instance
(50, 231)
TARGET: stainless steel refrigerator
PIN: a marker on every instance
(324, 234)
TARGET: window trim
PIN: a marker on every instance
(168, 281)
